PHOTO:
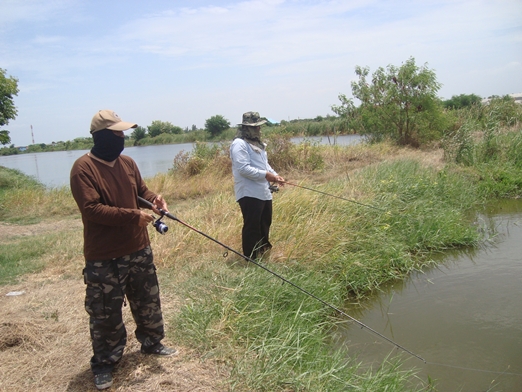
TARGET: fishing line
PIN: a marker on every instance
(473, 369)
(361, 324)
(337, 197)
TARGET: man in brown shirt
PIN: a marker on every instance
(118, 257)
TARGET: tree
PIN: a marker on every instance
(216, 124)
(139, 133)
(158, 127)
(8, 88)
(462, 101)
(398, 103)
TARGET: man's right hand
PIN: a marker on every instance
(145, 219)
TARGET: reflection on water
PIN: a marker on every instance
(464, 317)
(52, 168)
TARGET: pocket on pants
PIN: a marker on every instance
(98, 281)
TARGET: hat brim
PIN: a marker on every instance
(122, 126)
(254, 124)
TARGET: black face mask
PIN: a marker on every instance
(107, 145)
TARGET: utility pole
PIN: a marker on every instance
(32, 134)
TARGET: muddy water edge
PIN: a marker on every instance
(464, 316)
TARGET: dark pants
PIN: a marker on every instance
(257, 218)
(108, 281)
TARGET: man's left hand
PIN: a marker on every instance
(160, 203)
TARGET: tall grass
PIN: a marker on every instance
(488, 140)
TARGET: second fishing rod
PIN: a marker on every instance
(274, 188)
(162, 229)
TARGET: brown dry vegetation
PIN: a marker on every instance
(44, 335)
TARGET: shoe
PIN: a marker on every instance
(161, 350)
(103, 380)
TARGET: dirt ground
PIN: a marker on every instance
(45, 344)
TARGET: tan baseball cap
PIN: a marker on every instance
(108, 119)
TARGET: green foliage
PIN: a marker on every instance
(216, 125)
(15, 179)
(328, 126)
(399, 103)
(422, 210)
(284, 155)
(486, 133)
(462, 101)
(158, 127)
(22, 257)
(11, 150)
(138, 134)
(502, 111)
(8, 111)
(4, 137)
(203, 155)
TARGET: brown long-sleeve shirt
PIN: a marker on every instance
(108, 201)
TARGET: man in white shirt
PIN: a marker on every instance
(252, 177)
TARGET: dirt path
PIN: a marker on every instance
(45, 344)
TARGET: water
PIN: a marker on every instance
(53, 168)
(463, 317)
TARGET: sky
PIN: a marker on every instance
(186, 61)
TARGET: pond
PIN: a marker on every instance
(464, 317)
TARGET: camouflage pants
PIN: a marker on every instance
(108, 282)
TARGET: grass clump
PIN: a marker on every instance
(22, 257)
(24, 200)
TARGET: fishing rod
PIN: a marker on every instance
(164, 229)
(274, 188)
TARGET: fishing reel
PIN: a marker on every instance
(273, 188)
(160, 226)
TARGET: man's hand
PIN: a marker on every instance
(145, 219)
(280, 180)
(273, 178)
(160, 203)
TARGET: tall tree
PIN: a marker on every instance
(399, 103)
(139, 133)
(216, 124)
(8, 111)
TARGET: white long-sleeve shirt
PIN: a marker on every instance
(249, 168)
